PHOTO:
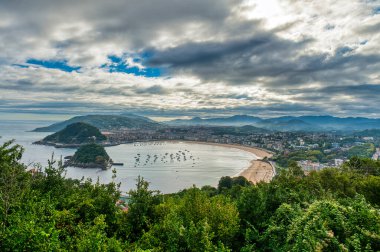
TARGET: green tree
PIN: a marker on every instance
(14, 181)
(225, 183)
(141, 209)
(193, 222)
(329, 225)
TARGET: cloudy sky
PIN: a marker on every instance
(179, 58)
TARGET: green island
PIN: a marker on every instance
(335, 209)
(73, 135)
(90, 156)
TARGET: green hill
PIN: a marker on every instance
(76, 133)
(238, 131)
(369, 133)
(104, 122)
(90, 154)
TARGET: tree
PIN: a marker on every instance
(225, 183)
(330, 225)
(13, 179)
(141, 209)
(193, 222)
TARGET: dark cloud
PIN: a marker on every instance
(363, 95)
(370, 29)
(245, 61)
(364, 90)
(153, 90)
(239, 61)
(194, 54)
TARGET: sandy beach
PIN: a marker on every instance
(258, 170)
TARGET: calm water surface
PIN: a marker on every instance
(169, 167)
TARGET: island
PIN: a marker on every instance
(89, 156)
(74, 135)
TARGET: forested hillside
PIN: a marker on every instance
(76, 133)
(330, 210)
(105, 122)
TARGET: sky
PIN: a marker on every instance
(185, 58)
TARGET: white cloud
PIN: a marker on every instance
(219, 54)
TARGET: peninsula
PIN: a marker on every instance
(74, 135)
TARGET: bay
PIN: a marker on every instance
(168, 166)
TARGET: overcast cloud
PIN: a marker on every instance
(190, 57)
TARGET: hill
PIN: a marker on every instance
(330, 122)
(76, 133)
(90, 156)
(368, 133)
(105, 122)
(236, 120)
(237, 131)
(287, 123)
(290, 125)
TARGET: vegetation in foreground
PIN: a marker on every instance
(330, 210)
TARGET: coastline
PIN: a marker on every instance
(259, 153)
(258, 169)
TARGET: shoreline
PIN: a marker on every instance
(258, 152)
(257, 171)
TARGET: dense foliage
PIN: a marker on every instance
(364, 151)
(330, 210)
(368, 133)
(76, 133)
(91, 153)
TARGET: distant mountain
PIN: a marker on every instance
(237, 131)
(368, 133)
(284, 123)
(250, 128)
(287, 123)
(236, 120)
(333, 123)
(76, 133)
(337, 123)
(133, 116)
(105, 122)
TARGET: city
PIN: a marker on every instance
(311, 150)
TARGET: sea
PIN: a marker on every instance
(167, 166)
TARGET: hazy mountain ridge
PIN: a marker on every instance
(236, 120)
(291, 125)
(284, 123)
(237, 130)
(105, 122)
(287, 123)
(368, 133)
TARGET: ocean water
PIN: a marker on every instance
(169, 167)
